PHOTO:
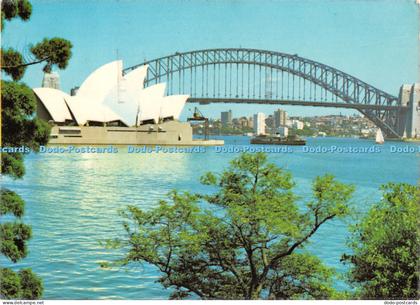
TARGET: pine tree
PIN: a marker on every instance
(21, 128)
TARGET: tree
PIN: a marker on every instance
(245, 241)
(13, 237)
(385, 246)
(21, 129)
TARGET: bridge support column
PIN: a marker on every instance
(413, 114)
(404, 99)
(409, 120)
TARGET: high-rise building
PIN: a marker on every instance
(269, 121)
(250, 122)
(259, 123)
(51, 80)
(226, 118)
(280, 118)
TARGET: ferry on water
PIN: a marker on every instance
(277, 140)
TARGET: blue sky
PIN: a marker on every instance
(376, 41)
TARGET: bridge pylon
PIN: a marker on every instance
(409, 117)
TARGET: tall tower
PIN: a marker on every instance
(259, 123)
(409, 121)
(280, 118)
(413, 119)
(226, 117)
(51, 80)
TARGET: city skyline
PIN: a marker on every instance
(308, 126)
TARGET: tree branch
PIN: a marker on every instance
(294, 246)
(232, 269)
(25, 64)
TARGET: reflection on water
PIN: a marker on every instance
(72, 202)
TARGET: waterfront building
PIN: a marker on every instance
(283, 131)
(107, 99)
(280, 118)
(226, 118)
(297, 124)
(259, 123)
(100, 100)
(51, 80)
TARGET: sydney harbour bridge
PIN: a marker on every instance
(254, 76)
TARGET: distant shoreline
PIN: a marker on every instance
(346, 137)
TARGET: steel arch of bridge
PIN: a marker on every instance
(350, 92)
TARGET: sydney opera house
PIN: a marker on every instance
(112, 108)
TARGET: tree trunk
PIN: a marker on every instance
(255, 291)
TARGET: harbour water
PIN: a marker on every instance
(72, 200)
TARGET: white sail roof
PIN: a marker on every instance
(150, 102)
(84, 111)
(173, 105)
(135, 78)
(106, 95)
(53, 100)
(99, 83)
(124, 97)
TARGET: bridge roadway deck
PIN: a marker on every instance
(207, 100)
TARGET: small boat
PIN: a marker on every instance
(277, 140)
(379, 139)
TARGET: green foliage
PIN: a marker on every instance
(18, 106)
(15, 8)
(21, 285)
(306, 131)
(302, 275)
(243, 242)
(331, 197)
(12, 58)
(385, 246)
(12, 165)
(11, 203)
(9, 284)
(25, 9)
(55, 51)
(21, 128)
(13, 245)
(18, 102)
(31, 285)
(13, 237)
